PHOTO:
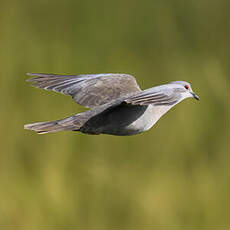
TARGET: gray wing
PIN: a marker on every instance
(88, 90)
(154, 98)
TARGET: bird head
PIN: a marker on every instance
(186, 89)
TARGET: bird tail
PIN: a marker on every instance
(70, 123)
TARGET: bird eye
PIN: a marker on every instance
(186, 87)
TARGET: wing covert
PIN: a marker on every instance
(153, 98)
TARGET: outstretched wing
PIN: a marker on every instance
(88, 90)
(148, 97)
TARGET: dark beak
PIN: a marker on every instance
(195, 96)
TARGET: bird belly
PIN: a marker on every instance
(124, 120)
(148, 119)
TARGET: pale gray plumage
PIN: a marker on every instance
(88, 90)
(118, 105)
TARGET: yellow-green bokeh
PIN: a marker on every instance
(175, 176)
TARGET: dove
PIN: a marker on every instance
(117, 105)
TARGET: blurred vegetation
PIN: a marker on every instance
(175, 176)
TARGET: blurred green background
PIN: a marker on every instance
(175, 176)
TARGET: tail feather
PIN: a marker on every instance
(54, 126)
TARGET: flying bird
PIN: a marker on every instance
(117, 104)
